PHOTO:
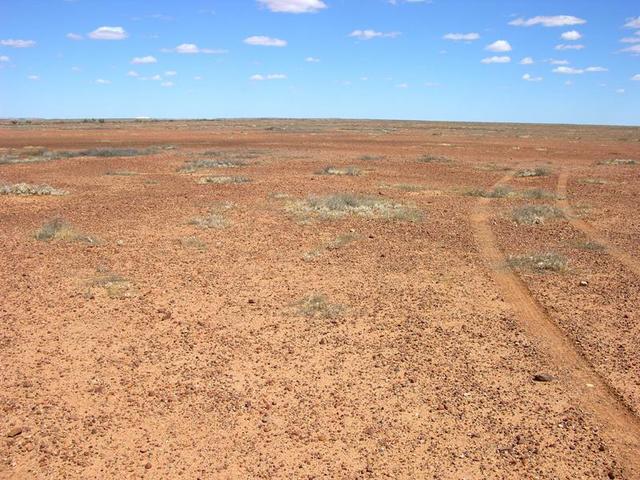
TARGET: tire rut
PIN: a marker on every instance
(587, 388)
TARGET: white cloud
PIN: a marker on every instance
(578, 71)
(529, 78)
(568, 83)
(558, 62)
(571, 35)
(432, 84)
(167, 84)
(294, 6)
(170, 73)
(4, 58)
(633, 49)
(631, 39)
(465, 37)
(33, 77)
(636, 77)
(108, 33)
(312, 59)
(272, 76)
(10, 42)
(499, 46)
(633, 22)
(192, 48)
(568, 70)
(526, 61)
(76, 69)
(263, 41)
(554, 21)
(563, 46)
(74, 36)
(155, 78)
(368, 34)
(620, 91)
(402, 85)
(144, 60)
(503, 59)
(101, 81)
(197, 77)
(132, 73)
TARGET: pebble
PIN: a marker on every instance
(583, 283)
(542, 377)
(147, 466)
(14, 432)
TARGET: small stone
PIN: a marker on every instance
(119, 243)
(147, 466)
(584, 283)
(14, 432)
(542, 377)
(251, 300)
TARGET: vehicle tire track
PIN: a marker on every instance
(588, 390)
(563, 203)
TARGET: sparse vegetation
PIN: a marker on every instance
(429, 158)
(114, 285)
(371, 158)
(214, 217)
(35, 155)
(339, 205)
(223, 180)
(592, 181)
(59, 229)
(347, 171)
(618, 161)
(539, 262)
(341, 241)
(533, 172)
(410, 187)
(536, 214)
(193, 242)
(121, 173)
(317, 306)
(212, 220)
(591, 246)
(204, 164)
(537, 194)
(497, 192)
(29, 189)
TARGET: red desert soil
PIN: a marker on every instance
(245, 329)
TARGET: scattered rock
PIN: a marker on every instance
(14, 432)
(584, 283)
(251, 300)
(147, 466)
(542, 377)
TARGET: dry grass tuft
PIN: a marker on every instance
(318, 307)
(204, 164)
(618, 161)
(539, 262)
(533, 172)
(497, 192)
(121, 173)
(114, 285)
(371, 158)
(339, 205)
(220, 180)
(346, 171)
(429, 158)
(29, 189)
(194, 243)
(535, 214)
(59, 229)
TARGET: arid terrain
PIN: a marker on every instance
(319, 299)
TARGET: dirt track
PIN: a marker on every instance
(197, 360)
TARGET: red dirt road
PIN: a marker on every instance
(165, 350)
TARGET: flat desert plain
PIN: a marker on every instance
(319, 299)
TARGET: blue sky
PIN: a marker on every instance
(396, 59)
